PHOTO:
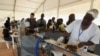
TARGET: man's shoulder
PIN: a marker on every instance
(77, 21)
(94, 25)
(41, 20)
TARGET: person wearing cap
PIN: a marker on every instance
(83, 32)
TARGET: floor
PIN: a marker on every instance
(7, 52)
(3, 49)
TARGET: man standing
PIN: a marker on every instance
(8, 22)
(41, 22)
(32, 23)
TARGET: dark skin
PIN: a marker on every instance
(85, 24)
(65, 34)
(87, 20)
(89, 43)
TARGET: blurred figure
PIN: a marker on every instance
(22, 20)
(8, 22)
(14, 24)
(57, 25)
(6, 34)
(32, 22)
(61, 25)
(71, 19)
(84, 32)
(54, 23)
(49, 25)
(41, 23)
(53, 19)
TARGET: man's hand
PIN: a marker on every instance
(89, 43)
(81, 44)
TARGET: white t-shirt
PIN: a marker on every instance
(90, 34)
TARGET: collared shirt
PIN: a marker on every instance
(90, 34)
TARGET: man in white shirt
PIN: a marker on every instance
(84, 32)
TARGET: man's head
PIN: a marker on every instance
(32, 15)
(8, 18)
(60, 20)
(90, 16)
(72, 17)
(42, 15)
(53, 18)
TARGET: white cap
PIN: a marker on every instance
(93, 12)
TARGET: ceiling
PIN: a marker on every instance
(20, 5)
(22, 8)
(33, 5)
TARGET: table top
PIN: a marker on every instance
(61, 45)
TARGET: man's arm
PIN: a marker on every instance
(89, 43)
(65, 34)
(94, 40)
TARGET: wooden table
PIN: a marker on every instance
(62, 46)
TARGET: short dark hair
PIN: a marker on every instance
(53, 17)
(8, 18)
(32, 14)
(42, 15)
